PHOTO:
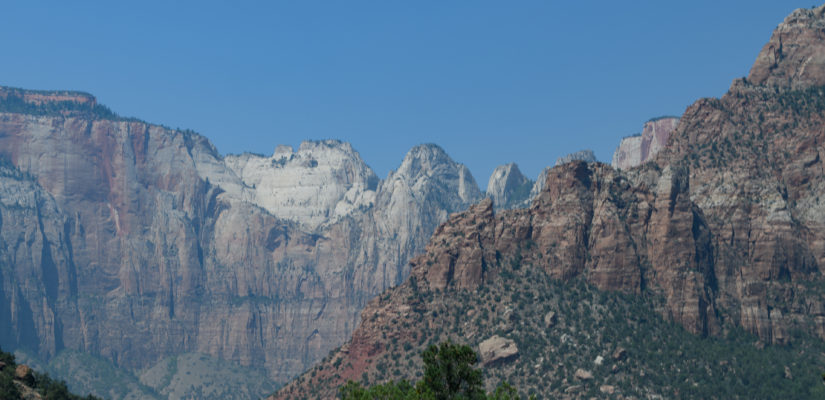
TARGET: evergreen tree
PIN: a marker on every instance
(448, 375)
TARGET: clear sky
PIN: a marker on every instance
(490, 81)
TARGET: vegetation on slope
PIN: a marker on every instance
(620, 340)
(448, 374)
(15, 103)
(32, 384)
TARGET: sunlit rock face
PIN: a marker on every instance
(508, 188)
(135, 242)
(319, 184)
(635, 150)
(723, 226)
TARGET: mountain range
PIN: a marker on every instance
(131, 243)
(697, 274)
(142, 252)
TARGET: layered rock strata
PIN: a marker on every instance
(725, 227)
(135, 242)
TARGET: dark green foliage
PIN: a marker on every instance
(387, 391)
(8, 390)
(662, 358)
(15, 104)
(55, 390)
(448, 375)
(49, 388)
(449, 372)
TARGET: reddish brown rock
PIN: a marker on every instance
(459, 258)
(134, 242)
(795, 55)
(726, 224)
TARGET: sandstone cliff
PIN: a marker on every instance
(319, 184)
(636, 150)
(794, 58)
(508, 188)
(134, 242)
(723, 229)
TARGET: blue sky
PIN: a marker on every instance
(490, 81)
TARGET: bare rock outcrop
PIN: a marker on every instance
(589, 221)
(317, 185)
(582, 155)
(497, 349)
(134, 242)
(583, 374)
(794, 57)
(638, 149)
(724, 224)
(508, 187)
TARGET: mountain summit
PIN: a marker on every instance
(722, 232)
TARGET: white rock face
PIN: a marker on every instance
(411, 203)
(629, 152)
(508, 186)
(539, 185)
(426, 170)
(635, 150)
(586, 155)
(317, 185)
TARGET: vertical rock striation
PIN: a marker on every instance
(508, 188)
(723, 228)
(638, 149)
(135, 242)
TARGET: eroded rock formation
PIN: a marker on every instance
(135, 242)
(508, 187)
(581, 155)
(638, 149)
(725, 226)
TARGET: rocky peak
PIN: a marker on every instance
(425, 162)
(508, 187)
(318, 184)
(723, 229)
(586, 156)
(582, 155)
(794, 58)
(638, 149)
(538, 186)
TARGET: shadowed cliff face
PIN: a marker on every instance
(136, 242)
(36, 264)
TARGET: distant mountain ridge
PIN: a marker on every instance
(133, 242)
(722, 231)
(637, 149)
